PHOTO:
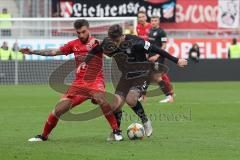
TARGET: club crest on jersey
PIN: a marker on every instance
(154, 33)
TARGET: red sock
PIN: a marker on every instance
(49, 125)
(110, 117)
(168, 89)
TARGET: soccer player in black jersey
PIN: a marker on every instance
(129, 51)
(158, 37)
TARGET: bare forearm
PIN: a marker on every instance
(47, 52)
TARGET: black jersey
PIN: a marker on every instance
(132, 50)
(133, 47)
(157, 36)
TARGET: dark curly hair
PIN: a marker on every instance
(80, 23)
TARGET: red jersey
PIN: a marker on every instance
(93, 72)
(142, 31)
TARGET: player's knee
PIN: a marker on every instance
(117, 102)
(159, 79)
(131, 100)
(99, 99)
(131, 103)
(100, 102)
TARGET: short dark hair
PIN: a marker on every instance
(80, 23)
(115, 31)
(234, 41)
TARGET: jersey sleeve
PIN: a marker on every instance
(163, 36)
(93, 52)
(152, 48)
(66, 49)
(142, 44)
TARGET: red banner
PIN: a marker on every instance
(209, 48)
(194, 14)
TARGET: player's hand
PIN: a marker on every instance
(144, 98)
(25, 51)
(94, 42)
(154, 58)
(81, 66)
(182, 62)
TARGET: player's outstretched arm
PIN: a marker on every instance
(42, 52)
(155, 49)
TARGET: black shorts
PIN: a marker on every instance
(136, 84)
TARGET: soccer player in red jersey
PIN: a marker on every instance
(87, 85)
(143, 26)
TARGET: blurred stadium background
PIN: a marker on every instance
(208, 127)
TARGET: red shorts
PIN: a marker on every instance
(79, 92)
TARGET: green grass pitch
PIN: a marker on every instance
(203, 124)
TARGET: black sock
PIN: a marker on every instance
(161, 84)
(118, 116)
(138, 109)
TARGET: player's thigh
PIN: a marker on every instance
(114, 100)
(77, 93)
(123, 87)
(139, 87)
(79, 89)
(132, 97)
(97, 91)
(67, 103)
(99, 98)
(157, 77)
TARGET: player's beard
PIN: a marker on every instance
(84, 40)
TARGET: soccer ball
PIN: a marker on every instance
(135, 131)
